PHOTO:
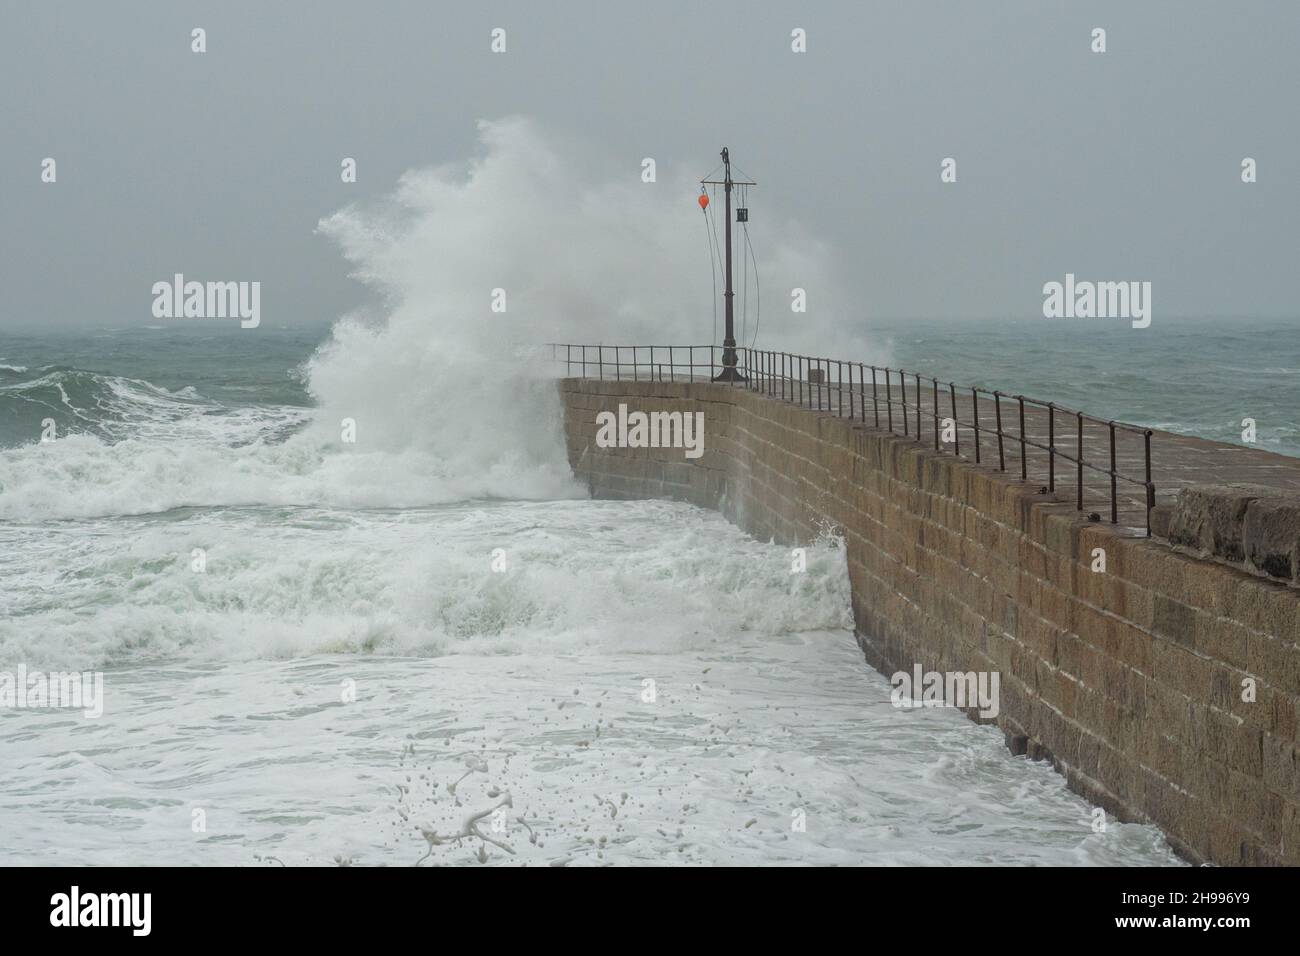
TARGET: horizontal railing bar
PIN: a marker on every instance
(815, 361)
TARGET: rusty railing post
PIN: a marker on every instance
(902, 384)
(956, 432)
(1079, 456)
(1114, 502)
(918, 405)
(862, 391)
(1150, 488)
(997, 406)
(889, 400)
(1051, 447)
(1024, 465)
(875, 400)
(934, 401)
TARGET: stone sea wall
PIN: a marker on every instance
(1165, 688)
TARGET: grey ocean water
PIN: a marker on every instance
(1192, 376)
(377, 643)
(1196, 376)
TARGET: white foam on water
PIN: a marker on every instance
(286, 583)
(224, 693)
(742, 740)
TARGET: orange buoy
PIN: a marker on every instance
(704, 201)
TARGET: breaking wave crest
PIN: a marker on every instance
(577, 575)
(440, 406)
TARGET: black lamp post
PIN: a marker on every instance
(729, 371)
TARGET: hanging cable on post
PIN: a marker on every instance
(717, 253)
(758, 297)
(713, 266)
(744, 301)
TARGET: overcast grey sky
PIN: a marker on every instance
(1122, 165)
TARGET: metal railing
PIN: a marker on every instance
(894, 399)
